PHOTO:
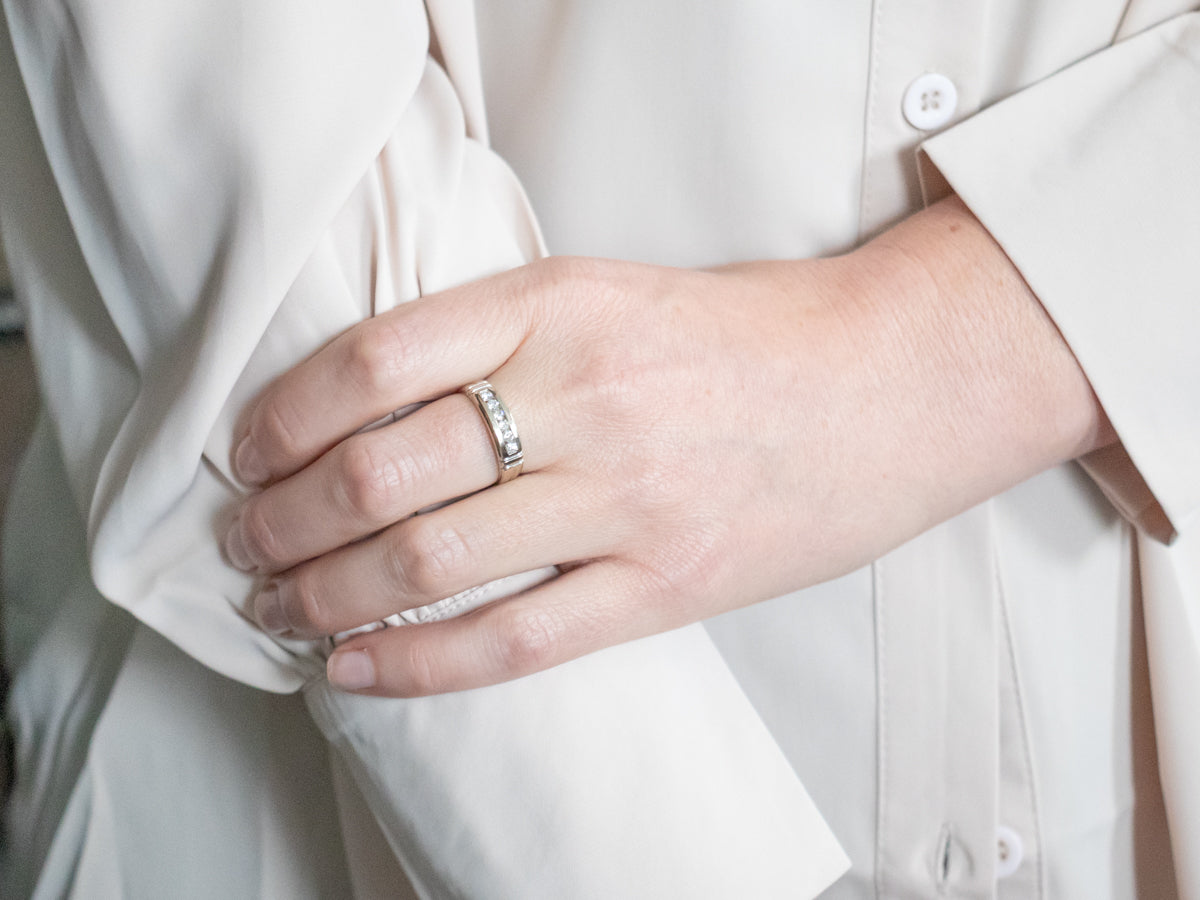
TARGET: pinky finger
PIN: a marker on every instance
(597, 605)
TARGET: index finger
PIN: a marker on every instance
(418, 351)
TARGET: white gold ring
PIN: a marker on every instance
(505, 440)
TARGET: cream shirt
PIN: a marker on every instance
(985, 682)
(989, 679)
(192, 206)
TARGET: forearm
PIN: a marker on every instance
(967, 380)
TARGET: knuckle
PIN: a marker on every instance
(575, 283)
(652, 487)
(564, 271)
(560, 271)
(263, 541)
(306, 608)
(436, 558)
(372, 481)
(627, 386)
(422, 671)
(585, 283)
(377, 355)
(689, 568)
(616, 387)
(280, 430)
(701, 573)
(528, 640)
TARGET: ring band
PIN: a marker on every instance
(505, 440)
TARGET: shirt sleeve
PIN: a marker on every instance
(172, 191)
(198, 195)
(1089, 180)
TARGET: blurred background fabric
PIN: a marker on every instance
(10, 315)
(17, 390)
(17, 409)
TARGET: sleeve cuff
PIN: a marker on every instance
(1088, 182)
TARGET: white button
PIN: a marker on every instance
(930, 101)
(1010, 850)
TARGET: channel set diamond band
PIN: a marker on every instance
(505, 440)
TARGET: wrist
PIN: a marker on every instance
(985, 389)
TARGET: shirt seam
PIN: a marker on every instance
(1026, 747)
(881, 725)
(864, 204)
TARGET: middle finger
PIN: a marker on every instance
(366, 483)
(537, 521)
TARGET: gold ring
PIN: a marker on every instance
(505, 440)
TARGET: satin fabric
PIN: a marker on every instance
(1012, 667)
(193, 205)
(987, 673)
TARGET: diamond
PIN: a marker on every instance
(511, 447)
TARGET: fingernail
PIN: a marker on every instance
(235, 547)
(248, 463)
(268, 610)
(351, 670)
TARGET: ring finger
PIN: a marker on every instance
(535, 521)
(370, 480)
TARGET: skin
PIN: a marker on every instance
(695, 441)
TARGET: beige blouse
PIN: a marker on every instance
(196, 196)
(988, 684)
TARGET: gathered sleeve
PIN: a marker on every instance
(195, 157)
(195, 197)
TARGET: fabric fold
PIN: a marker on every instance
(574, 766)
(1048, 172)
(1123, 298)
(238, 185)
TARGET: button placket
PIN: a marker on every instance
(909, 38)
(938, 716)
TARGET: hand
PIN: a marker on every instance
(694, 442)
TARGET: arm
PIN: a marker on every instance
(205, 230)
(1089, 182)
(830, 409)
(153, 217)
(1040, 170)
(906, 306)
